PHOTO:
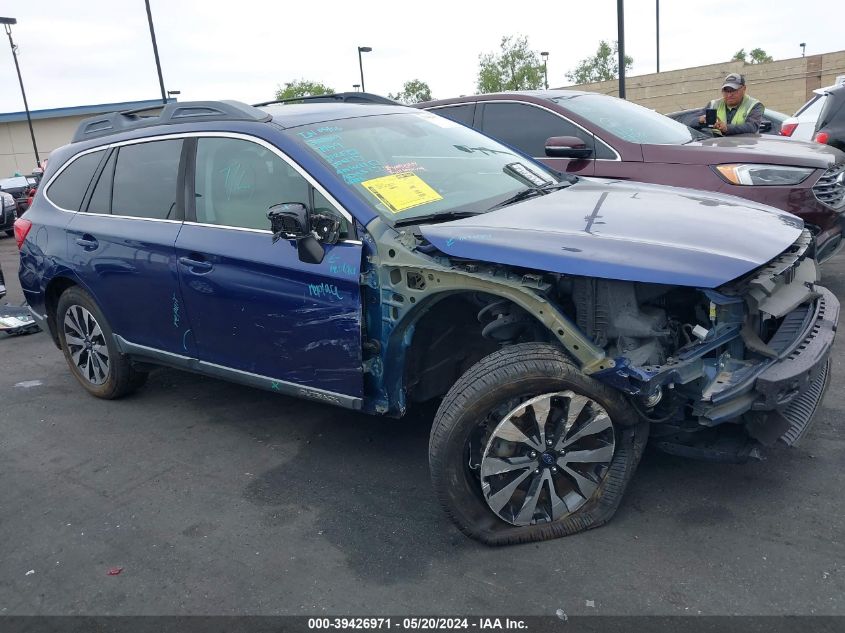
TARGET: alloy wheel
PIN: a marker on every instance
(86, 344)
(546, 458)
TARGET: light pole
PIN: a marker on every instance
(357, 87)
(170, 93)
(7, 23)
(620, 20)
(545, 56)
(155, 51)
(803, 45)
(657, 31)
(362, 49)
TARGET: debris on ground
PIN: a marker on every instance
(114, 571)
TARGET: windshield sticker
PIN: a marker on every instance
(399, 192)
(529, 175)
(325, 129)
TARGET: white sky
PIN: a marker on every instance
(76, 52)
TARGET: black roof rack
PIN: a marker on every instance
(343, 97)
(171, 113)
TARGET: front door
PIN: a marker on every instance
(253, 305)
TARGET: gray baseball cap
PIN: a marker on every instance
(734, 80)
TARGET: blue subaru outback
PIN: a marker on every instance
(375, 256)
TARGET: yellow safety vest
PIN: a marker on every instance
(741, 112)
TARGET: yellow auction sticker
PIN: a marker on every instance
(399, 192)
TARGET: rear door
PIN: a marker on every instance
(121, 244)
(254, 306)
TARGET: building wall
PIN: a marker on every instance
(783, 85)
(16, 154)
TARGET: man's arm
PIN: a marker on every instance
(752, 121)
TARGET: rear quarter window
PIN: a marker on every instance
(68, 189)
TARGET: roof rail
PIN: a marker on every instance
(171, 113)
(344, 97)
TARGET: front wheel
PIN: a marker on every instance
(88, 344)
(525, 448)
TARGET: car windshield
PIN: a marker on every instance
(628, 121)
(417, 164)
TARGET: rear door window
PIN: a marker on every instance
(68, 189)
(527, 127)
(462, 113)
(145, 180)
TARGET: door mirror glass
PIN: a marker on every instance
(567, 147)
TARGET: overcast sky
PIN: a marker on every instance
(98, 51)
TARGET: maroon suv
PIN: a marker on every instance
(602, 136)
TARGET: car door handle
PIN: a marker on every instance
(196, 265)
(88, 242)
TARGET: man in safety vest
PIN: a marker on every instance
(736, 112)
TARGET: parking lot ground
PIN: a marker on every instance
(220, 499)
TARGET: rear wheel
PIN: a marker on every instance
(525, 448)
(88, 344)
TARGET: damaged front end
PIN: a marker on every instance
(719, 372)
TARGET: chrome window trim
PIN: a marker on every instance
(559, 115)
(165, 137)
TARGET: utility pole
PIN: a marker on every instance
(657, 18)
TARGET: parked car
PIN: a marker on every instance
(18, 187)
(374, 257)
(828, 126)
(614, 138)
(8, 213)
(772, 119)
(804, 125)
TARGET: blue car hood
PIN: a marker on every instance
(626, 231)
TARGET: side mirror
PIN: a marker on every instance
(291, 221)
(765, 126)
(567, 147)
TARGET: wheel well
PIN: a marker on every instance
(54, 290)
(458, 331)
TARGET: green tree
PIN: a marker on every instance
(302, 88)
(413, 91)
(603, 66)
(516, 67)
(756, 56)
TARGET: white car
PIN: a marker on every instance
(802, 126)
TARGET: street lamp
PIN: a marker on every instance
(545, 56)
(7, 23)
(803, 45)
(362, 49)
(356, 86)
(155, 51)
(170, 93)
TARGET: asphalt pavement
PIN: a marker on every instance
(204, 497)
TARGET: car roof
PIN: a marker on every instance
(296, 114)
(547, 95)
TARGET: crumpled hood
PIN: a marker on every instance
(626, 231)
(752, 149)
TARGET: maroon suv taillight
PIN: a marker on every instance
(787, 128)
(22, 226)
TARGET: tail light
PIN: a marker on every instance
(22, 226)
(821, 137)
(788, 127)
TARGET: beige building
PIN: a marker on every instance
(783, 85)
(53, 128)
